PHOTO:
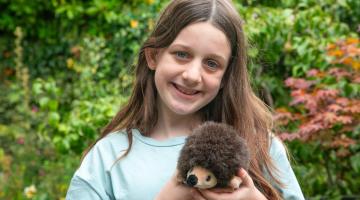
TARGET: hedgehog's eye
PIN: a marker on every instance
(208, 178)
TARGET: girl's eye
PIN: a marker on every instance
(212, 64)
(181, 54)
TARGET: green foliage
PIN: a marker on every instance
(325, 114)
(74, 113)
(288, 40)
(25, 160)
(346, 11)
(42, 23)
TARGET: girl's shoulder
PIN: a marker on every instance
(91, 180)
(284, 172)
(117, 139)
(277, 147)
(106, 150)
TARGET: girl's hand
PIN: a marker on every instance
(247, 190)
(174, 190)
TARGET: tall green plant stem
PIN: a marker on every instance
(22, 72)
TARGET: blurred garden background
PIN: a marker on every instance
(66, 68)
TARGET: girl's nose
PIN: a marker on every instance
(192, 73)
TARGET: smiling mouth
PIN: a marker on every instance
(185, 90)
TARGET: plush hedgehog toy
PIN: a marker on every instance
(211, 157)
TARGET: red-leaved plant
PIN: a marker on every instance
(321, 108)
(324, 113)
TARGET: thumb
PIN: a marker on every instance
(176, 177)
(245, 177)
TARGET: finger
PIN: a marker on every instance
(222, 190)
(247, 180)
(210, 195)
(176, 177)
(196, 195)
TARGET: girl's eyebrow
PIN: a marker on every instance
(187, 48)
(180, 46)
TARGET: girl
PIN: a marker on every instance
(191, 69)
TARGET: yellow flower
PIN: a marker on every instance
(30, 191)
(150, 1)
(134, 23)
(356, 65)
(70, 63)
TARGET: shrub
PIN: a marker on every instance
(288, 38)
(325, 114)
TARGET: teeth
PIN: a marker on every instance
(185, 90)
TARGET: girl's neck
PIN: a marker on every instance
(171, 125)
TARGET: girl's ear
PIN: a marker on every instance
(150, 55)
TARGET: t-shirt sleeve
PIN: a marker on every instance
(81, 189)
(291, 189)
(91, 180)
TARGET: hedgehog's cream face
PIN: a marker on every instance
(200, 178)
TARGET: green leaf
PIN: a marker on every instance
(53, 105)
(54, 119)
(44, 102)
(37, 88)
(355, 162)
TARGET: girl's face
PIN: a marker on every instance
(188, 73)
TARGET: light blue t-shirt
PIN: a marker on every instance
(144, 171)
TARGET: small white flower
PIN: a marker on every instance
(30, 191)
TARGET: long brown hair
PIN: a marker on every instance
(236, 104)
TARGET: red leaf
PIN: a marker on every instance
(339, 73)
(298, 83)
(342, 141)
(306, 130)
(342, 101)
(312, 73)
(344, 119)
(329, 118)
(326, 94)
(353, 50)
(300, 96)
(288, 136)
(282, 116)
(312, 105)
(334, 108)
(356, 79)
(353, 109)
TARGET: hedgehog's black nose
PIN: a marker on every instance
(192, 180)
